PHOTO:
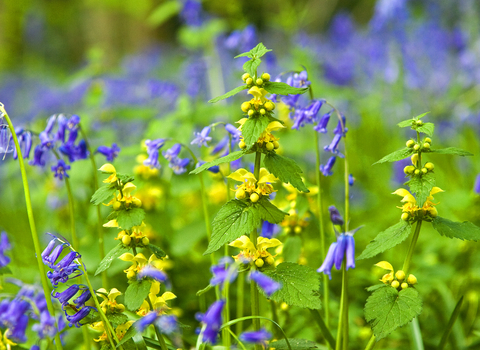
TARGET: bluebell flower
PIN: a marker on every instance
(201, 138)
(51, 253)
(327, 169)
(74, 152)
(179, 165)
(17, 333)
(351, 180)
(333, 146)
(25, 141)
(335, 216)
(46, 327)
(6, 140)
(60, 169)
(299, 118)
(83, 298)
(39, 156)
(167, 324)
(344, 246)
(65, 268)
(80, 315)
(268, 285)
(234, 132)
(476, 187)
(191, 13)
(146, 321)
(341, 128)
(221, 145)
(4, 246)
(269, 230)
(153, 273)
(65, 296)
(213, 321)
(225, 270)
(213, 169)
(35, 347)
(256, 337)
(173, 152)
(109, 152)
(321, 127)
(153, 147)
(12, 311)
(46, 140)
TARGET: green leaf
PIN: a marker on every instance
(406, 123)
(112, 254)
(397, 155)
(117, 319)
(300, 285)
(268, 211)
(253, 128)
(229, 94)
(461, 230)
(163, 12)
(375, 287)
(286, 170)
(5, 271)
(251, 66)
(235, 218)
(136, 293)
(103, 194)
(292, 248)
(421, 116)
(387, 239)
(132, 217)
(124, 178)
(296, 344)
(452, 150)
(426, 128)
(283, 89)
(227, 159)
(139, 342)
(387, 309)
(159, 253)
(421, 185)
(257, 52)
(128, 335)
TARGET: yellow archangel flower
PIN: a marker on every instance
(138, 261)
(250, 253)
(258, 95)
(159, 303)
(387, 278)
(109, 169)
(109, 303)
(250, 184)
(5, 343)
(411, 205)
(119, 331)
(266, 135)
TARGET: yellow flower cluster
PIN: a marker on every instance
(159, 303)
(258, 255)
(251, 187)
(109, 304)
(138, 262)
(411, 208)
(396, 280)
(125, 197)
(119, 331)
(138, 234)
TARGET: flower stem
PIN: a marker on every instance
(408, 258)
(160, 339)
(240, 303)
(71, 205)
(31, 220)
(323, 327)
(371, 343)
(342, 338)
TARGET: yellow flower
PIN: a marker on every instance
(111, 223)
(139, 261)
(250, 253)
(387, 278)
(411, 205)
(159, 303)
(109, 169)
(258, 94)
(250, 183)
(109, 303)
(119, 331)
(4, 341)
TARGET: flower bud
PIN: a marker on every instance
(245, 76)
(269, 105)
(240, 194)
(284, 306)
(259, 262)
(269, 146)
(254, 197)
(419, 122)
(130, 274)
(126, 240)
(404, 285)
(276, 144)
(287, 230)
(426, 145)
(249, 81)
(242, 144)
(400, 275)
(266, 77)
(429, 166)
(263, 111)
(137, 202)
(270, 260)
(433, 212)
(428, 139)
(121, 307)
(108, 168)
(117, 205)
(395, 284)
(417, 171)
(297, 229)
(424, 170)
(412, 279)
(259, 81)
(415, 159)
(405, 216)
(145, 241)
(410, 143)
(409, 169)
(250, 112)
(245, 106)
(416, 147)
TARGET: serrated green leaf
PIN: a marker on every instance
(286, 170)
(375, 287)
(5, 270)
(111, 255)
(229, 94)
(253, 128)
(251, 66)
(268, 211)
(421, 185)
(461, 230)
(397, 155)
(283, 89)
(124, 178)
(387, 309)
(387, 239)
(452, 150)
(296, 344)
(227, 159)
(235, 218)
(159, 253)
(257, 52)
(128, 335)
(292, 248)
(117, 319)
(163, 12)
(300, 285)
(421, 116)
(406, 123)
(132, 217)
(136, 294)
(103, 194)
(426, 128)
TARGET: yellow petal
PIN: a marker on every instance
(435, 190)
(264, 243)
(242, 242)
(274, 126)
(108, 168)
(127, 188)
(168, 296)
(241, 175)
(140, 258)
(111, 223)
(385, 265)
(126, 257)
(415, 159)
(114, 292)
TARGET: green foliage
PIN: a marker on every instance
(112, 254)
(136, 293)
(257, 52)
(124, 178)
(117, 319)
(163, 12)
(159, 253)
(421, 185)
(292, 248)
(387, 239)
(461, 230)
(411, 122)
(300, 285)
(227, 159)
(268, 211)
(253, 128)
(251, 66)
(5, 270)
(283, 89)
(452, 150)
(132, 217)
(128, 335)
(229, 94)
(296, 344)
(286, 170)
(397, 155)
(103, 194)
(426, 128)
(387, 309)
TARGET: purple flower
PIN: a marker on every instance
(17, 333)
(351, 180)
(476, 187)
(327, 169)
(321, 127)
(341, 128)
(25, 141)
(60, 169)
(6, 140)
(51, 254)
(46, 327)
(335, 216)
(223, 273)
(269, 230)
(268, 285)
(201, 138)
(167, 324)
(333, 146)
(146, 321)
(109, 152)
(65, 296)
(39, 156)
(153, 147)
(80, 315)
(172, 153)
(179, 165)
(4, 246)
(153, 273)
(213, 169)
(256, 337)
(234, 132)
(191, 13)
(213, 321)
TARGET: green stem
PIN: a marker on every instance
(371, 343)
(341, 339)
(71, 205)
(31, 220)
(450, 324)
(273, 306)
(236, 338)
(240, 302)
(101, 241)
(406, 264)
(160, 339)
(323, 327)
(226, 311)
(416, 334)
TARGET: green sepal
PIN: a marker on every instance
(116, 318)
(391, 237)
(452, 229)
(300, 285)
(104, 193)
(421, 185)
(131, 332)
(229, 94)
(397, 155)
(286, 170)
(292, 248)
(296, 344)
(159, 253)
(452, 150)
(132, 217)
(257, 52)
(227, 159)
(111, 255)
(136, 293)
(283, 89)
(253, 128)
(388, 309)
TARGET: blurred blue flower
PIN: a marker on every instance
(173, 152)
(109, 152)
(192, 13)
(179, 165)
(256, 337)
(326, 169)
(269, 230)
(213, 321)
(146, 321)
(268, 285)
(60, 169)
(4, 246)
(213, 169)
(153, 147)
(335, 216)
(225, 270)
(46, 328)
(25, 141)
(201, 138)
(153, 273)
(167, 324)
(476, 187)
